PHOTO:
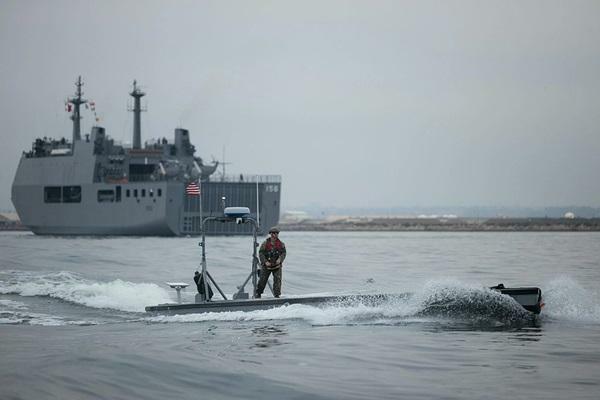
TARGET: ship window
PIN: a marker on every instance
(118, 188)
(159, 192)
(106, 196)
(134, 192)
(52, 194)
(143, 192)
(71, 194)
(151, 192)
(128, 193)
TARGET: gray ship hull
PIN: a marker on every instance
(130, 216)
(149, 208)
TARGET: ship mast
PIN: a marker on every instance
(137, 94)
(77, 101)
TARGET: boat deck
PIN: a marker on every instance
(265, 303)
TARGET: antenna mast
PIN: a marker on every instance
(77, 101)
(223, 164)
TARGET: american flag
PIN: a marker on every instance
(192, 189)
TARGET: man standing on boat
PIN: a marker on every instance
(272, 253)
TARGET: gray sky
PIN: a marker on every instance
(355, 104)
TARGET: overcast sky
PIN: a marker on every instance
(372, 103)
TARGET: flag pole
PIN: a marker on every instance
(257, 205)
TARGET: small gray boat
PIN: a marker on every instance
(530, 298)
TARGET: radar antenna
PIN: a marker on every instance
(77, 101)
(223, 163)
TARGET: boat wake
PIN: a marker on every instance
(18, 313)
(437, 301)
(473, 302)
(67, 286)
(567, 300)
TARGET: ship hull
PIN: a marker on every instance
(160, 208)
(130, 216)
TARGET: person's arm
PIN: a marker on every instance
(282, 254)
(261, 254)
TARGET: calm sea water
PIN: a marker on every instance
(73, 326)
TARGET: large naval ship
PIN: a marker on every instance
(92, 185)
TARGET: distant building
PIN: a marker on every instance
(9, 217)
(294, 216)
(570, 215)
(10, 221)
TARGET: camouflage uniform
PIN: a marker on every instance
(273, 251)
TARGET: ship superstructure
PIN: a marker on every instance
(92, 185)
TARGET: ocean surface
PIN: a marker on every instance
(73, 326)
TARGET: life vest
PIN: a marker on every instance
(273, 250)
(269, 245)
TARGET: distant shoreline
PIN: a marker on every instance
(446, 225)
(366, 224)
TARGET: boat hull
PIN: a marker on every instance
(261, 304)
(530, 298)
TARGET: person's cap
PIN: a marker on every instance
(196, 273)
(274, 230)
